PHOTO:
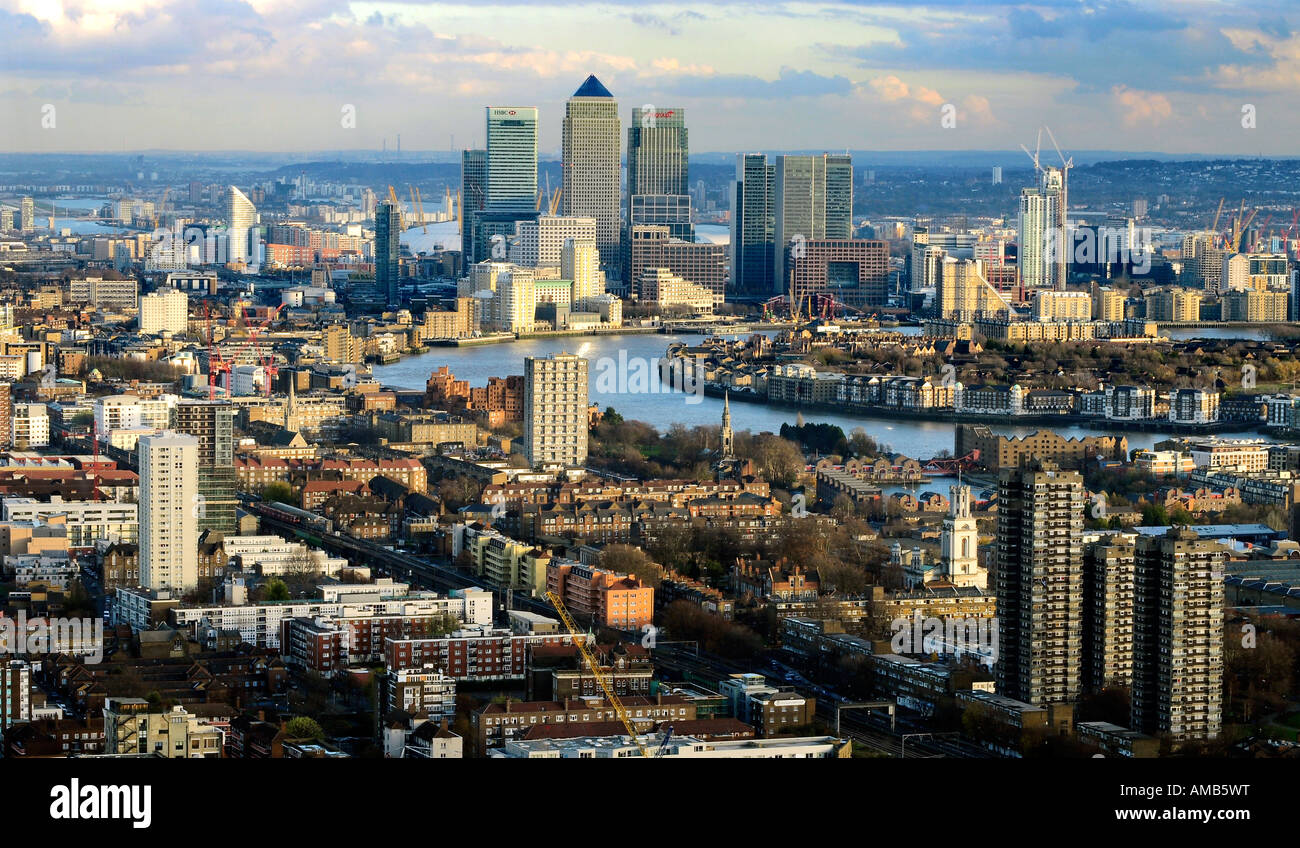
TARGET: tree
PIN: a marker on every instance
(276, 590)
(627, 559)
(278, 491)
(304, 728)
(611, 417)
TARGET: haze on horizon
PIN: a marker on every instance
(276, 76)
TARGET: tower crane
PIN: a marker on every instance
(596, 672)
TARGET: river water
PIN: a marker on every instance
(662, 408)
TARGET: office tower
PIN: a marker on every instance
(808, 206)
(592, 146)
(1038, 581)
(853, 271)
(241, 220)
(1043, 249)
(473, 183)
(657, 173)
(752, 226)
(1178, 636)
(213, 424)
(27, 215)
(959, 542)
(388, 243)
(511, 158)
(839, 196)
(169, 507)
(580, 262)
(1107, 655)
(6, 220)
(657, 152)
(701, 263)
(555, 410)
(164, 311)
(539, 243)
(997, 175)
(30, 424)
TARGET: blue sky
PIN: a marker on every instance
(276, 75)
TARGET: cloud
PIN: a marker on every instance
(1142, 108)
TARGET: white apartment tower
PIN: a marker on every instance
(169, 511)
(959, 542)
(165, 311)
(241, 218)
(555, 410)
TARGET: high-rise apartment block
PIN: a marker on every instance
(1178, 635)
(165, 311)
(241, 223)
(1038, 580)
(213, 424)
(555, 410)
(1108, 613)
(169, 510)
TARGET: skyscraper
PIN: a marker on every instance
(213, 424)
(27, 215)
(169, 507)
(752, 225)
(388, 239)
(1178, 635)
(592, 165)
(1042, 246)
(555, 410)
(1108, 613)
(473, 184)
(1038, 583)
(241, 219)
(511, 157)
(166, 310)
(657, 152)
(813, 199)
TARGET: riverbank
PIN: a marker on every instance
(939, 416)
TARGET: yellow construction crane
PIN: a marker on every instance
(1214, 228)
(555, 200)
(580, 641)
(417, 205)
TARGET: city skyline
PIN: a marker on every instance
(1127, 76)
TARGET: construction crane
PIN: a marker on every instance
(587, 657)
(1214, 227)
(417, 206)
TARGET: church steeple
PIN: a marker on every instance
(727, 437)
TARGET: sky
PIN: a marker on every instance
(303, 75)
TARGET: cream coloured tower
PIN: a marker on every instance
(959, 542)
(169, 511)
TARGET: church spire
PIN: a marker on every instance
(727, 436)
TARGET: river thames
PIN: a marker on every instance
(662, 408)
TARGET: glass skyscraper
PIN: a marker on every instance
(511, 158)
(752, 225)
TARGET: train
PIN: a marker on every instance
(287, 514)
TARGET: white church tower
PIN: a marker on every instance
(959, 542)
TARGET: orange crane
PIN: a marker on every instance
(601, 677)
